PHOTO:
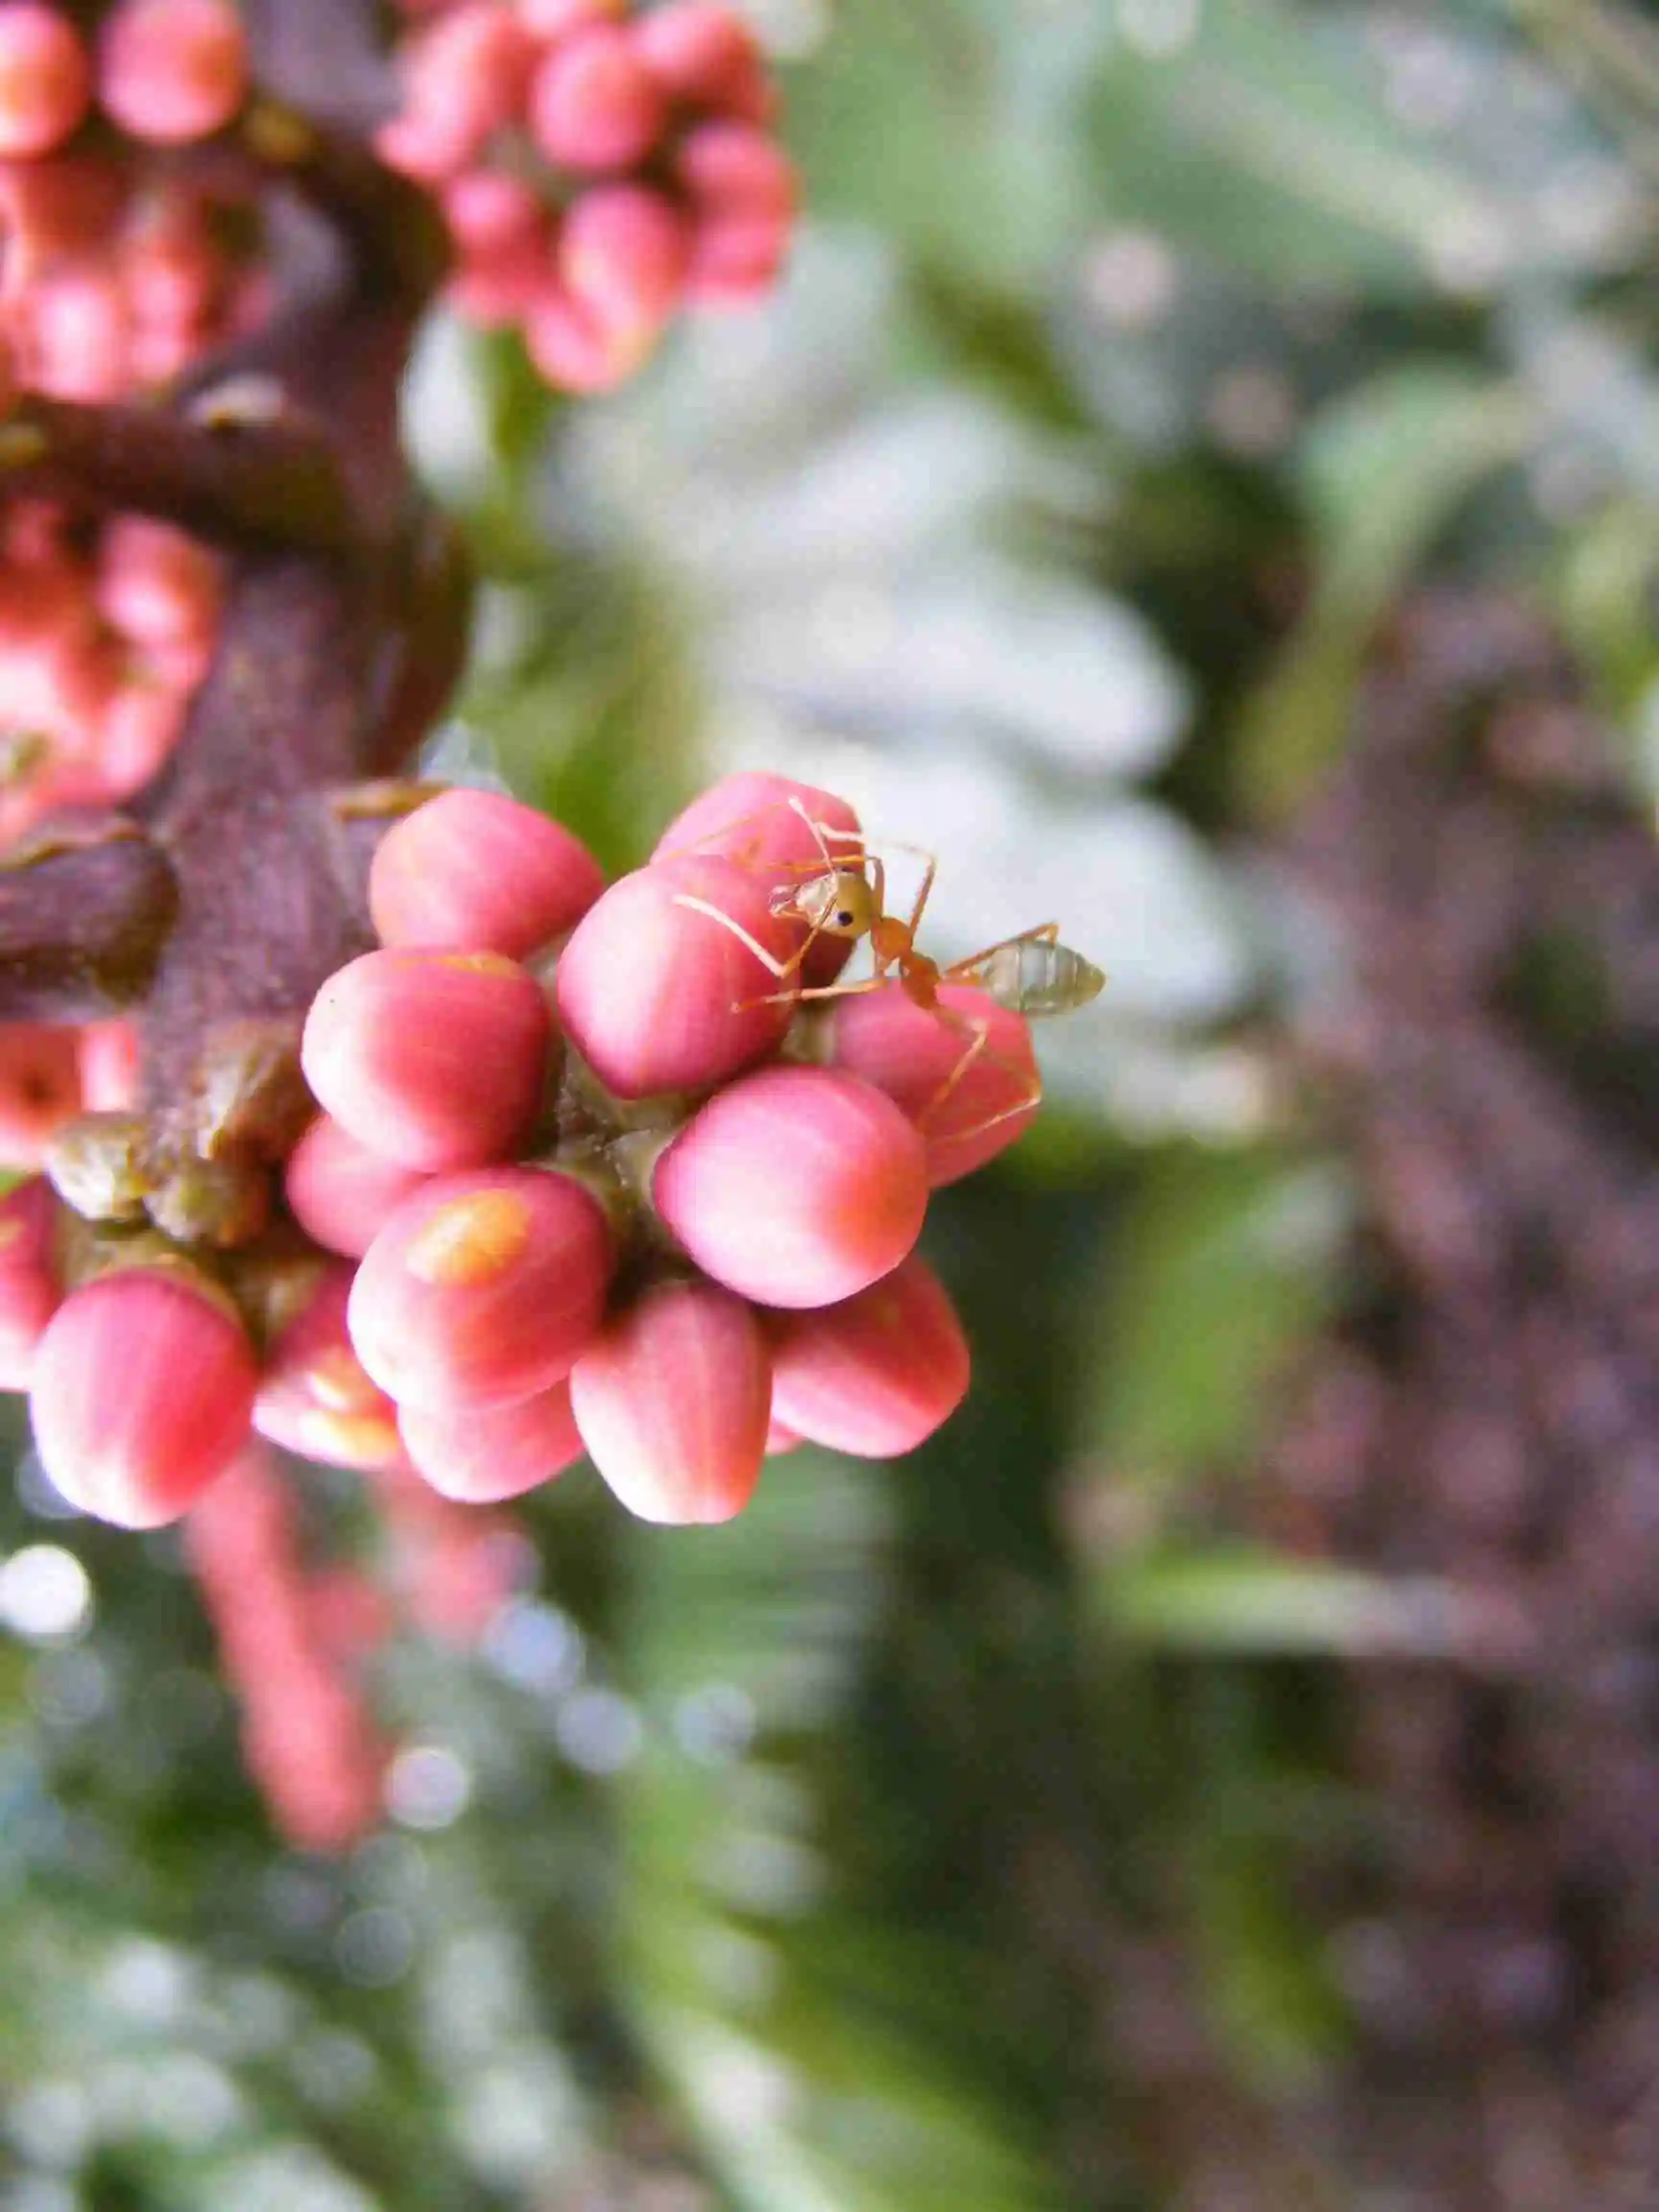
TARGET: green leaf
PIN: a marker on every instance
(1262, 142)
(928, 121)
(1220, 1274)
(809, 2045)
(1249, 1603)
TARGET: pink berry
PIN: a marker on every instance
(673, 1403)
(39, 1088)
(735, 257)
(922, 1061)
(341, 1192)
(31, 1291)
(593, 104)
(137, 729)
(751, 818)
(464, 80)
(109, 1066)
(171, 71)
(734, 169)
(156, 585)
(703, 55)
(315, 1399)
(482, 1289)
(143, 1389)
(552, 20)
(622, 257)
(53, 210)
(474, 869)
(796, 1186)
(572, 350)
(490, 1453)
(488, 212)
(658, 996)
(435, 1059)
(75, 335)
(876, 1375)
(45, 79)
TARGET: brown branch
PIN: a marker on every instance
(227, 480)
(85, 907)
(239, 887)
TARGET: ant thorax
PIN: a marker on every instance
(837, 903)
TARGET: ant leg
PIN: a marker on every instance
(925, 891)
(817, 991)
(781, 969)
(979, 1049)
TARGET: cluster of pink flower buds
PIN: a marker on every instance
(595, 1180)
(621, 1220)
(103, 639)
(600, 169)
(116, 271)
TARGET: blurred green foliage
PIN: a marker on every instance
(1142, 356)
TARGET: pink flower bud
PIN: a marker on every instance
(593, 104)
(494, 1451)
(703, 55)
(496, 289)
(750, 818)
(488, 212)
(482, 1289)
(734, 169)
(136, 731)
(435, 1059)
(171, 70)
(315, 1399)
(156, 585)
(75, 336)
(572, 350)
(955, 1091)
(39, 1088)
(170, 271)
(548, 20)
(341, 1192)
(735, 257)
(45, 79)
(143, 1389)
(649, 990)
(52, 211)
(876, 1375)
(464, 80)
(622, 256)
(30, 1288)
(796, 1187)
(109, 1066)
(471, 868)
(673, 1400)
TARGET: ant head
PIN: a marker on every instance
(839, 902)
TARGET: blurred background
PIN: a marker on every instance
(1201, 479)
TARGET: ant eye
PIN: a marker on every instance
(844, 919)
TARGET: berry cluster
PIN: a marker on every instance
(595, 1180)
(119, 269)
(104, 638)
(599, 168)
